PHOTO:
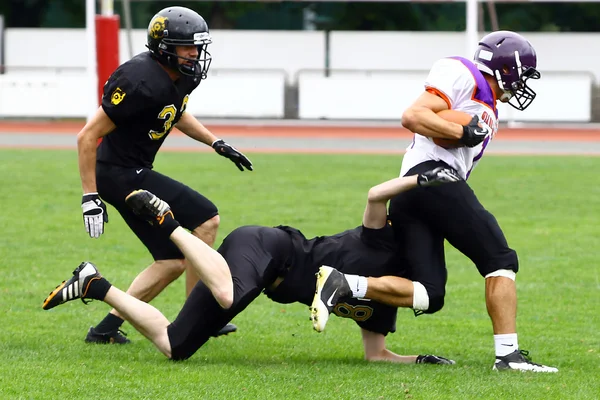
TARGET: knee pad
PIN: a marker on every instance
(423, 302)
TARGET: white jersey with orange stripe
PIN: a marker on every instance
(458, 81)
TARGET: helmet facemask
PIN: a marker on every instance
(513, 82)
(199, 66)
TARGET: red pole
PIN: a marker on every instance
(107, 48)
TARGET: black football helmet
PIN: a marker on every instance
(180, 26)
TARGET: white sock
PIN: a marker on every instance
(358, 285)
(506, 344)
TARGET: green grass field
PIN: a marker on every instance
(549, 208)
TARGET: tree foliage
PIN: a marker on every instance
(417, 16)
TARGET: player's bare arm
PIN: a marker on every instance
(421, 118)
(94, 209)
(375, 350)
(375, 215)
(87, 141)
(189, 125)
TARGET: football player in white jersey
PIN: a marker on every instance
(502, 66)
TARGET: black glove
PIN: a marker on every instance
(473, 134)
(438, 176)
(94, 214)
(433, 359)
(226, 150)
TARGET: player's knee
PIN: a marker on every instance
(436, 303)
(212, 225)
(207, 232)
(427, 301)
(171, 269)
(224, 297)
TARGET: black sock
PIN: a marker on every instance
(97, 289)
(110, 323)
(169, 225)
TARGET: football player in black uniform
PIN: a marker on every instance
(143, 100)
(279, 261)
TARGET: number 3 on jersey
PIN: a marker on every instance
(167, 114)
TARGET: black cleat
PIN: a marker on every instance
(432, 359)
(148, 206)
(113, 337)
(331, 288)
(78, 287)
(519, 360)
(226, 330)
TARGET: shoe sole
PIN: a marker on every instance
(223, 334)
(133, 194)
(159, 219)
(543, 369)
(319, 315)
(99, 342)
(538, 370)
(94, 338)
(102, 341)
(132, 203)
(52, 295)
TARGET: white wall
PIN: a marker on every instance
(417, 50)
(384, 95)
(296, 50)
(289, 51)
(43, 96)
(346, 95)
(247, 95)
(240, 94)
(393, 50)
(250, 69)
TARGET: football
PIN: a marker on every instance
(458, 117)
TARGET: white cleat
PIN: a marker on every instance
(518, 360)
(331, 287)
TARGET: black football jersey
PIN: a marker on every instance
(359, 251)
(145, 104)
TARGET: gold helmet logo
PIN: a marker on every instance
(158, 27)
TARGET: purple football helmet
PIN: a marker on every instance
(511, 59)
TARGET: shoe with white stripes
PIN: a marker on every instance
(149, 206)
(78, 287)
(519, 360)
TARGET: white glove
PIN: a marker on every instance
(94, 214)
